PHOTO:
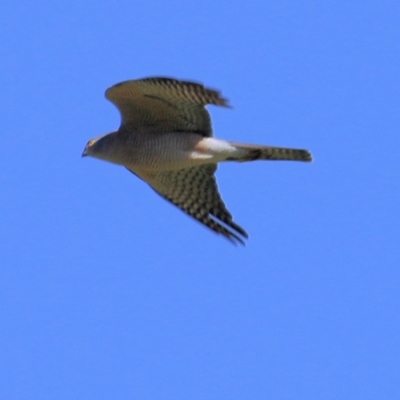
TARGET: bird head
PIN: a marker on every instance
(95, 147)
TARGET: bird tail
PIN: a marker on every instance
(249, 152)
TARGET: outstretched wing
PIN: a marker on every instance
(194, 190)
(165, 105)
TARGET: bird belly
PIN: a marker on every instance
(175, 151)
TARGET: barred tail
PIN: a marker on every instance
(249, 152)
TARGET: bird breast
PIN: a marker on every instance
(161, 152)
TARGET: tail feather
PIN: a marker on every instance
(249, 152)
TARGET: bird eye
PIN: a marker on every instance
(90, 143)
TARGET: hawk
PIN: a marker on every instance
(166, 139)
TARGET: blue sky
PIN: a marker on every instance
(107, 291)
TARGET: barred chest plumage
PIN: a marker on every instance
(157, 151)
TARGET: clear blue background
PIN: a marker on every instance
(109, 292)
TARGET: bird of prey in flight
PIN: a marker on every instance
(166, 139)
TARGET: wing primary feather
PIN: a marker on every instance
(212, 220)
(213, 224)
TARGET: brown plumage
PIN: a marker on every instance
(166, 139)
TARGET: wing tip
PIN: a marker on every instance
(236, 240)
(235, 234)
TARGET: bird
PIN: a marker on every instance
(166, 139)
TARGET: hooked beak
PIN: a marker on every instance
(84, 154)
